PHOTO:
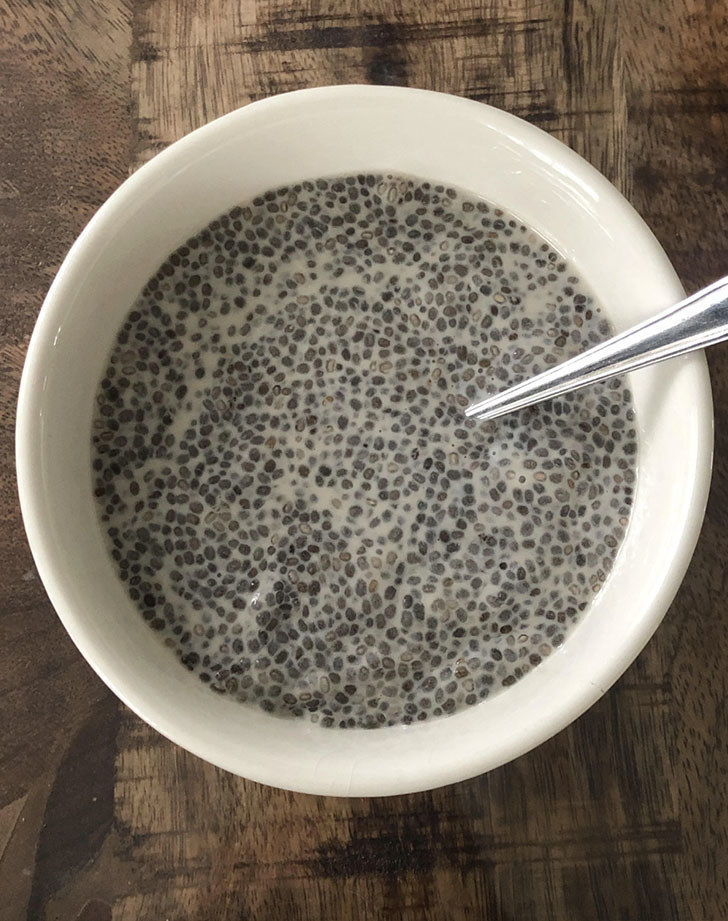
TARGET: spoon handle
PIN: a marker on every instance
(698, 321)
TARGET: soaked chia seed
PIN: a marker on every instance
(291, 493)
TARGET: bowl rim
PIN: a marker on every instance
(29, 425)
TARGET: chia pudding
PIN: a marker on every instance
(289, 488)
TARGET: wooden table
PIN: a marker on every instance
(621, 816)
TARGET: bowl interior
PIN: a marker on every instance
(282, 140)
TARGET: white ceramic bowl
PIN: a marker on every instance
(281, 140)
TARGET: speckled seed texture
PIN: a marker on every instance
(290, 490)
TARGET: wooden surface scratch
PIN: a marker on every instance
(624, 815)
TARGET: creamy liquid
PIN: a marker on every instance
(288, 484)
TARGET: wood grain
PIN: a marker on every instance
(622, 816)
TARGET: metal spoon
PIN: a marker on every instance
(698, 321)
